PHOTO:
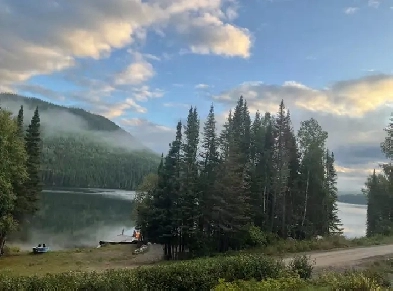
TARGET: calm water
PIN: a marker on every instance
(83, 217)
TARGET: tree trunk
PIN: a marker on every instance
(306, 198)
(2, 244)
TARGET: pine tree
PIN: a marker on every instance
(188, 196)
(208, 168)
(333, 221)
(27, 194)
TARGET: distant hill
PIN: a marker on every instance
(82, 149)
(353, 199)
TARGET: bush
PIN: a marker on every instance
(347, 281)
(301, 266)
(11, 250)
(284, 283)
(256, 237)
(201, 274)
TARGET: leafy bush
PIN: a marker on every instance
(201, 274)
(301, 266)
(284, 283)
(347, 281)
(256, 237)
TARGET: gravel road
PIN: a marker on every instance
(347, 257)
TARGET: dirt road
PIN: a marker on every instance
(348, 257)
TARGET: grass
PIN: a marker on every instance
(330, 243)
(120, 256)
(86, 259)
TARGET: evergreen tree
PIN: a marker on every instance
(33, 185)
(254, 175)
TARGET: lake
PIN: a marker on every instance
(82, 217)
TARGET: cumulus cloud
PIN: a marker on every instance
(354, 112)
(136, 73)
(94, 28)
(353, 98)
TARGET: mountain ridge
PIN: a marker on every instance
(83, 149)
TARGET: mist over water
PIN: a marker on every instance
(78, 218)
(70, 218)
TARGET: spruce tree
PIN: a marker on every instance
(33, 185)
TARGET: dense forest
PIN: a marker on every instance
(20, 180)
(379, 191)
(353, 199)
(254, 181)
(81, 149)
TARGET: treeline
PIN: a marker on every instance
(379, 191)
(75, 160)
(90, 156)
(353, 199)
(254, 180)
(20, 181)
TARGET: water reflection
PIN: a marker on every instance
(353, 218)
(82, 217)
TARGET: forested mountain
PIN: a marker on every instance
(81, 149)
(255, 180)
(379, 191)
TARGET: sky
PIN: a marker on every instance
(143, 63)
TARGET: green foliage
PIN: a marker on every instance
(201, 274)
(301, 265)
(347, 281)
(13, 173)
(331, 281)
(284, 283)
(256, 237)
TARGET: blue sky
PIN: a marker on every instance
(142, 63)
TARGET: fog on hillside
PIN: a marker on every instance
(58, 122)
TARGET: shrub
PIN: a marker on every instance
(256, 237)
(284, 283)
(201, 274)
(11, 250)
(347, 281)
(301, 265)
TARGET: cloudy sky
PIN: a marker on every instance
(142, 63)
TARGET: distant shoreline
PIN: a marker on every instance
(358, 199)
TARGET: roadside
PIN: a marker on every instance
(122, 257)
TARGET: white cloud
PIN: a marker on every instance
(119, 109)
(176, 104)
(353, 98)
(374, 3)
(202, 86)
(354, 113)
(144, 93)
(351, 10)
(94, 28)
(136, 73)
